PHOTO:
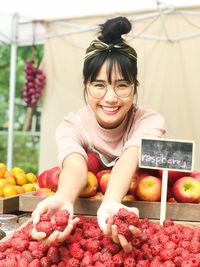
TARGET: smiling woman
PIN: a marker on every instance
(110, 125)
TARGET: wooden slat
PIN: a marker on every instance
(9, 204)
(151, 210)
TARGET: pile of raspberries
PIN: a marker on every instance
(170, 245)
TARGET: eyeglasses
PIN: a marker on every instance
(122, 89)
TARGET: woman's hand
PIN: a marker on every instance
(105, 219)
(50, 206)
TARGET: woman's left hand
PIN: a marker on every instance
(105, 220)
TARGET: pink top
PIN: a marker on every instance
(81, 133)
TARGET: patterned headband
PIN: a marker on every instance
(98, 46)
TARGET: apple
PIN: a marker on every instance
(171, 200)
(104, 182)
(43, 192)
(42, 179)
(173, 176)
(93, 163)
(98, 196)
(101, 173)
(195, 174)
(91, 187)
(187, 189)
(52, 178)
(128, 198)
(149, 188)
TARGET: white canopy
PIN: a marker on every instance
(29, 16)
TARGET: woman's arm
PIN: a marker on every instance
(122, 174)
(73, 177)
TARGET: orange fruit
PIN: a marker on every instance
(9, 190)
(1, 192)
(28, 187)
(3, 182)
(31, 177)
(20, 178)
(20, 190)
(3, 169)
(8, 173)
(11, 180)
(16, 170)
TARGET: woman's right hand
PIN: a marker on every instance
(50, 206)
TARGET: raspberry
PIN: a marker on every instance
(136, 242)
(130, 217)
(76, 251)
(113, 248)
(45, 262)
(118, 260)
(11, 263)
(45, 217)
(142, 263)
(105, 257)
(62, 218)
(73, 263)
(170, 245)
(87, 259)
(93, 245)
(96, 256)
(23, 263)
(167, 254)
(167, 223)
(53, 254)
(169, 264)
(45, 226)
(34, 263)
(97, 264)
(27, 255)
(129, 262)
(143, 224)
(19, 244)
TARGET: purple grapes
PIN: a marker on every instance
(34, 83)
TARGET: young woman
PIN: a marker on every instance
(111, 125)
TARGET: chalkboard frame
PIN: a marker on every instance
(164, 142)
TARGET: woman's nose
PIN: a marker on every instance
(110, 95)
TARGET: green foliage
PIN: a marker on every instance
(26, 148)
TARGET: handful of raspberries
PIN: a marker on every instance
(47, 226)
(123, 219)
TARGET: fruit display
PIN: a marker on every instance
(146, 184)
(169, 245)
(16, 181)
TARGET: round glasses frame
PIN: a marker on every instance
(104, 90)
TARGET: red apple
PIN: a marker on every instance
(43, 192)
(195, 174)
(52, 178)
(171, 200)
(149, 188)
(42, 179)
(101, 173)
(91, 187)
(104, 182)
(187, 190)
(93, 163)
(173, 176)
(98, 196)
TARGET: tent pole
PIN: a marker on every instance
(12, 83)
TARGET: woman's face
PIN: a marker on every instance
(110, 110)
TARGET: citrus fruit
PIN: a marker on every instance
(3, 182)
(1, 192)
(17, 169)
(11, 180)
(28, 187)
(3, 169)
(19, 189)
(31, 177)
(9, 190)
(20, 178)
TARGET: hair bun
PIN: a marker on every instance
(113, 29)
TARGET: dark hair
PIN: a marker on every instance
(111, 33)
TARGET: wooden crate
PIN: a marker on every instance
(151, 210)
(9, 204)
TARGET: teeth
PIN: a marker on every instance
(110, 109)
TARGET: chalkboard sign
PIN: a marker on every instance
(166, 154)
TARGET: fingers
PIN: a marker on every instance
(115, 237)
(37, 235)
(127, 247)
(134, 230)
(108, 228)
